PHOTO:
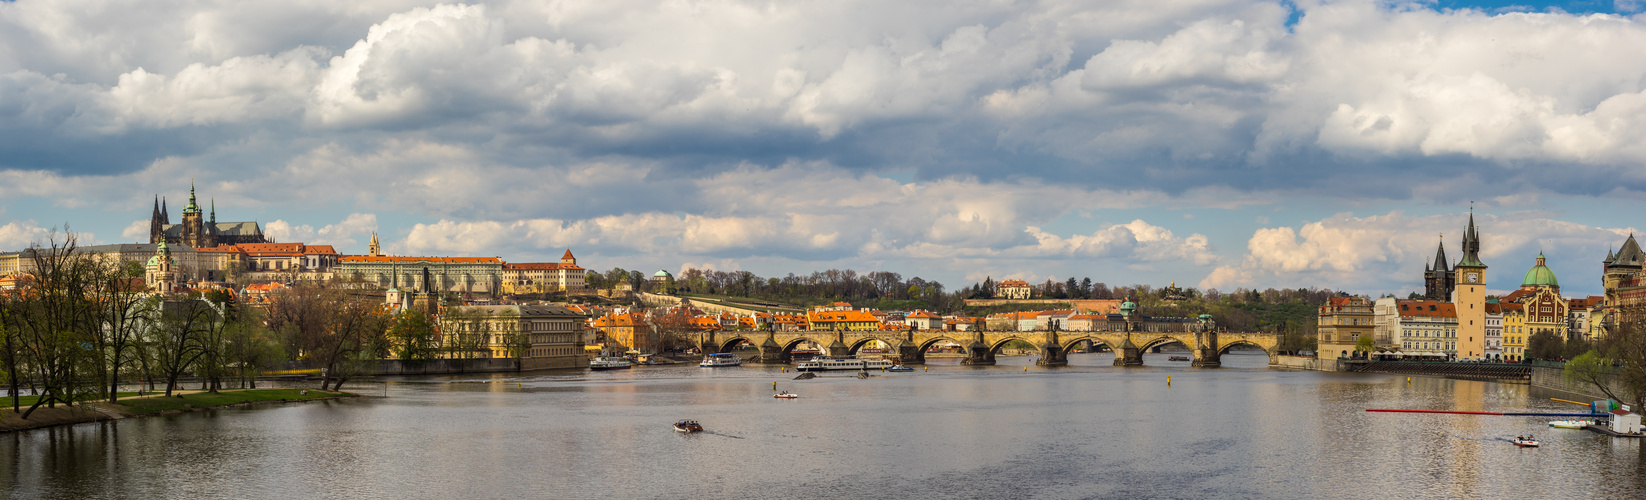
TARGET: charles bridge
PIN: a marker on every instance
(1129, 341)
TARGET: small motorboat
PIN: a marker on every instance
(687, 426)
(786, 395)
(1570, 424)
(1526, 442)
(899, 368)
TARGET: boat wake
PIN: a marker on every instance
(712, 433)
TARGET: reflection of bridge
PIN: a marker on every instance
(910, 346)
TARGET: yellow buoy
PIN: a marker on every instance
(774, 385)
(1168, 380)
(1025, 368)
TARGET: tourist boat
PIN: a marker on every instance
(610, 363)
(899, 368)
(687, 426)
(720, 359)
(1179, 358)
(828, 364)
(786, 395)
(1570, 424)
(1525, 442)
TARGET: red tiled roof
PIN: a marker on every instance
(319, 250)
(220, 249)
(1013, 283)
(450, 260)
(568, 254)
(538, 266)
(1429, 308)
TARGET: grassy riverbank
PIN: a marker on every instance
(137, 406)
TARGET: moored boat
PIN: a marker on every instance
(687, 426)
(1570, 424)
(720, 359)
(899, 368)
(828, 364)
(610, 363)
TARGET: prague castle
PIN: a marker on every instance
(198, 232)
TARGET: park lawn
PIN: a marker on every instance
(205, 399)
(27, 401)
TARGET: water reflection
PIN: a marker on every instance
(1082, 431)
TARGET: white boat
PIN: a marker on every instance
(721, 359)
(899, 368)
(1570, 424)
(610, 363)
(1526, 442)
(786, 395)
(829, 364)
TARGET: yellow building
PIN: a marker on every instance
(842, 320)
(541, 336)
(1514, 332)
(1343, 322)
(1470, 298)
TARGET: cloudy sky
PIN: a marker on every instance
(1218, 143)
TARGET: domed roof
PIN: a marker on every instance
(661, 274)
(1540, 275)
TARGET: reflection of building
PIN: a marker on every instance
(1343, 321)
(538, 277)
(1013, 289)
(195, 231)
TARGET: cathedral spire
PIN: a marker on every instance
(214, 210)
(164, 215)
(193, 207)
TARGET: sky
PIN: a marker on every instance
(1214, 143)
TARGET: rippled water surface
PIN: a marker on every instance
(1089, 430)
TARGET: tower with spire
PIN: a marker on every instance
(1438, 280)
(1469, 298)
(374, 250)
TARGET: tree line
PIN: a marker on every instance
(84, 329)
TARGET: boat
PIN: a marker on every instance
(1526, 442)
(786, 395)
(899, 368)
(610, 363)
(1570, 424)
(829, 364)
(687, 426)
(720, 359)
(1179, 358)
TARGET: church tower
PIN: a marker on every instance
(567, 259)
(374, 249)
(157, 224)
(1438, 280)
(191, 233)
(1470, 297)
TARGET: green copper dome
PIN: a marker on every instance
(1540, 275)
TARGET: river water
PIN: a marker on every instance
(1089, 430)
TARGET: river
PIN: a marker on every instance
(1089, 430)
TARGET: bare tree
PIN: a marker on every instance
(178, 338)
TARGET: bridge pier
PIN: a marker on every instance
(1127, 354)
(908, 353)
(1206, 358)
(1051, 350)
(978, 354)
(1052, 355)
(770, 352)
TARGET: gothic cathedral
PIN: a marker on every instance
(196, 231)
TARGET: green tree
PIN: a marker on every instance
(1544, 346)
(1365, 344)
(412, 337)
